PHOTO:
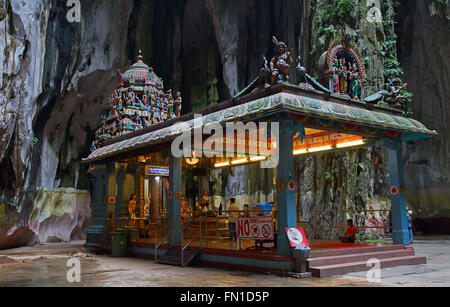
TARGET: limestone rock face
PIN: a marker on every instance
(330, 183)
(60, 215)
(55, 77)
(424, 32)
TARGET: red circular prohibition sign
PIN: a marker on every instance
(266, 231)
(291, 185)
(394, 190)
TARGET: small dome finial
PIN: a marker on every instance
(140, 57)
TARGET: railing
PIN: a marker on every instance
(214, 214)
(203, 230)
(321, 212)
(183, 248)
(169, 232)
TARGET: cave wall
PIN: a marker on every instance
(56, 76)
(424, 51)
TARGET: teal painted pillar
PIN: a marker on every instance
(137, 174)
(400, 233)
(287, 207)
(121, 208)
(174, 208)
(97, 231)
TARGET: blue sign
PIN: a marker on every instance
(157, 171)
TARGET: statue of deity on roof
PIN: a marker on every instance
(137, 103)
(342, 69)
(395, 96)
(280, 65)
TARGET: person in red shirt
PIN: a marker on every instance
(350, 233)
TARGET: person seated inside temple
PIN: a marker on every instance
(350, 233)
(198, 207)
(246, 213)
(132, 210)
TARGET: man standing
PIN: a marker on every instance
(233, 215)
(410, 230)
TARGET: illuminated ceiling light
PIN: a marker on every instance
(222, 164)
(351, 144)
(142, 159)
(240, 161)
(157, 178)
(254, 159)
(300, 152)
(323, 148)
(193, 160)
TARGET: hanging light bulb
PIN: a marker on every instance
(193, 160)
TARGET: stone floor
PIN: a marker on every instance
(46, 265)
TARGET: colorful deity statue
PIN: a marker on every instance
(164, 106)
(170, 104)
(178, 105)
(152, 98)
(130, 98)
(93, 147)
(146, 122)
(355, 82)
(393, 96)
(138, 102)
(137, 121)
(157, 110)
(280, 64)
(342, 69)
(145, 101)
(336, 79)
(343, 75)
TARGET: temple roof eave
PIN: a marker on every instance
(269, 105)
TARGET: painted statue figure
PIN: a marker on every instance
(170, 104)
(336, 81)
(93, 147)
(280, 64)
(354, 82)
(145, 100)
(343, 73)
(157, 113)
(130, 97)
(392, 96)
(137, 121)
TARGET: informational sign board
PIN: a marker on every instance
(157, 171)
(297, 237)
(255, 228)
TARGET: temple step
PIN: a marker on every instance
(362, 256)
(173, 256)
(355, 250)
(344, 268)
